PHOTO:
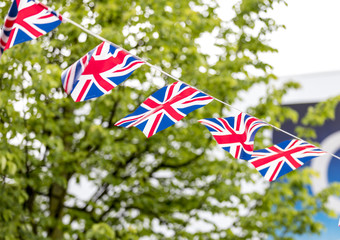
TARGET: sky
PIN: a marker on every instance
(308, 48)
(311, 41)
(308, 51)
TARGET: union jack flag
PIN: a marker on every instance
(235, 134)
(278, 160)
(164, 108)
(27, 20)
(98, 72)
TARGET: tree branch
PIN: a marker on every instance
(113, 112)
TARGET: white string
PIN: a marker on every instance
(178, 80)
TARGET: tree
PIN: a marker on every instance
(142, 186)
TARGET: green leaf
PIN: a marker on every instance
(101, 231)
(12, 168)
(3, 162)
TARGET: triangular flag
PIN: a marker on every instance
(98, 72)
(164, 108)
(235, 134)
(280, 159)
(27, 20)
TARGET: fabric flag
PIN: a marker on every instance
(27, 20)
(235, 134)
(277, 160)
(98, 72)
(339, 223)
(164, 108)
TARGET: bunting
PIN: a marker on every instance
(107, 66)
(27, 20)
(164, 108)
(280, 159)
(235, 134)
(98, 72)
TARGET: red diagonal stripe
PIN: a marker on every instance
(232, 139)
(255, 126)
(154, 125)
(2, 42)
(167, 105)
(211, 125)
(198, 99)
(96, 67)
(9, 23)
(99, 48)
(184, 94)
(28, 12)
(151, 103)
(238, 122)
(172, 112)
(119, 59)
(68, 79)
(83, 90)
(47, 16)
(279, 153)
(127, 120)
(10, 39)
(128, 67)
(169, 92)
(275, 171)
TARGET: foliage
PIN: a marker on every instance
(172, 181)
(317, 115)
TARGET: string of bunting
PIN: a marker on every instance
(108, 65)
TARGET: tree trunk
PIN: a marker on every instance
(57, 196)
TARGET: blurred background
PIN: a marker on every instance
(307, 53)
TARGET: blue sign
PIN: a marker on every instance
(328, 167)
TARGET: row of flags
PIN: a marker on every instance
(236, 136)
(106, 66)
